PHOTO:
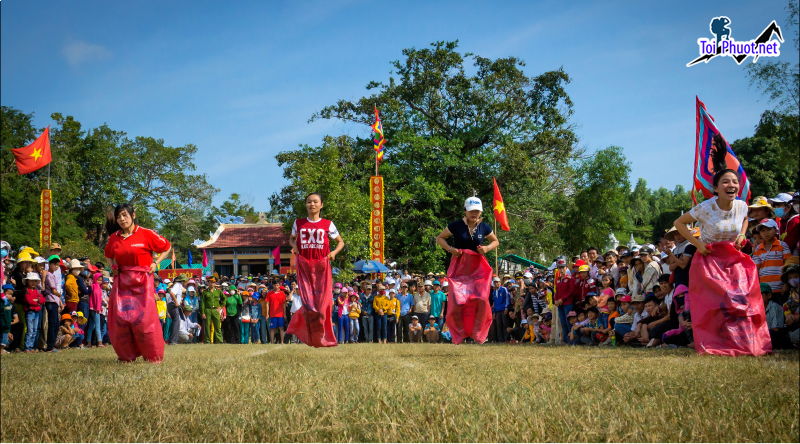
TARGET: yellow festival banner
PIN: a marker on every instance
(46, 222)
(376, 219)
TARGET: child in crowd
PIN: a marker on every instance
(776, 321)
(415, 330)
(606, 292)
(161, 305)
(65, 333)
(593, 333)
(771, 255)
(354, 313)
(545, 328)
(34, 301)
(343, 325)
(9, 322)
(431, 331)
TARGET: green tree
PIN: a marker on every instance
(90, 172)
(449, 132)
(324, 170)
(600, 201)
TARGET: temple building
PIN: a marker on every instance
(247, 249)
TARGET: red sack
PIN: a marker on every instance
(133, 324)
(468, 310)
(725, 302)
(312, 322)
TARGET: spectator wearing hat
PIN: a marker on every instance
(431, 331)
(10, 325)
(380, 305)
(406, 311)
(422, 301)
(392, 316)
(365, 299)
(651, 269)
(760, 209)
(630, 331)
(770, 256)
(501, 303)
(438, 299)
(66, 332)
(277, 305)
(682, 261)
(564, 294)
(415, 330)
(74, 286)
(187, 329)
(790, 224)
(209, 312)
(174, 302)
(34, 301)
(52, 298)
(776, 321)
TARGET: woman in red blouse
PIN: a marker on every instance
(133, 324)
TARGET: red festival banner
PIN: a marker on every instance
(171, 273)
(376, 218)
(46, 222)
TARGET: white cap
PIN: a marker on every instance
(769, 223)
(782, 198)
(473, 203)
(390, 281)
(166, 281)
(428, 283)
(445, 284)
(40, 260)
(527, 274)
(495, 279)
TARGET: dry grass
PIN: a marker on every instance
(400, 393)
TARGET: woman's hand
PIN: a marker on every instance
(703, 248)
(481, 249)
(456, 252)
(332, 255)
(152, 268)
(740, 242)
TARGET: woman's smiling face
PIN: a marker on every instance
(728, 186)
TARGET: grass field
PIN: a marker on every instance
(400, 393)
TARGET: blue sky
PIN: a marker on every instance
(240, 79)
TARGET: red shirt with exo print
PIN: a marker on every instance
(137, 249)
(313, 237)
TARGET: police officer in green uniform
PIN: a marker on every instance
(209, 303)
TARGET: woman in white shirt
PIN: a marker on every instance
(722, 218)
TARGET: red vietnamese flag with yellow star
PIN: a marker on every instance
(35, 155)
(500, 209)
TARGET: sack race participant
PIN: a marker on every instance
(727, 310)
(311, 324)
(469, 275)
(728, 316)
(133, 324)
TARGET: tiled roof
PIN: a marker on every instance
(248, 235)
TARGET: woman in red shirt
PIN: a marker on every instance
(310, 241)
(134, 327)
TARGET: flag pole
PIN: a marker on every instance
(496, 266)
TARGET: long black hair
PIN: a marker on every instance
(718, 161)
(111, 217)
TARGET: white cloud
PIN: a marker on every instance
(79, 52)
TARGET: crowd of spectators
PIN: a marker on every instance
(636, 296)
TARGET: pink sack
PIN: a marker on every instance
(312, 322)
(468, 310)
(727, 310)
(133, 324)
